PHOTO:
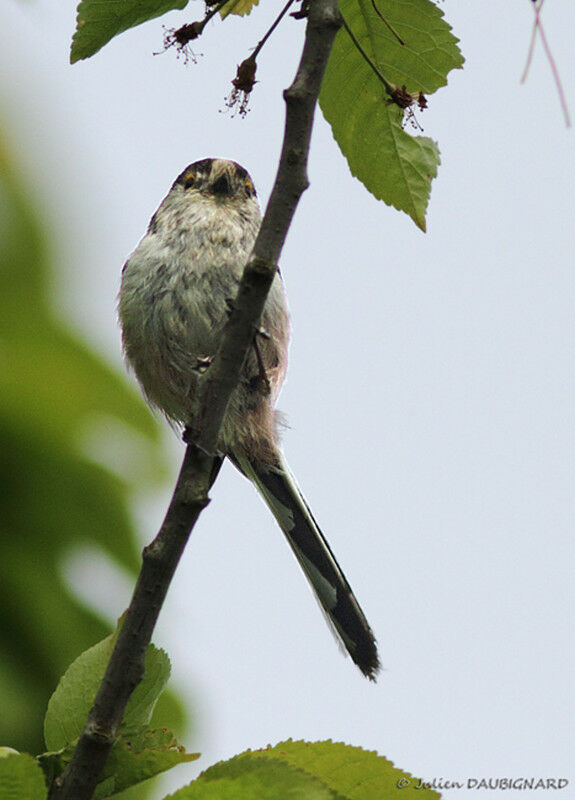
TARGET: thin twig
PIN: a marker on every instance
(126, 667)
(323, 23)
(245, 80)
(531, 43)
(276, 22)
(538, 27)
(386, 23)
(212, 12)
(181, 37)
(555, 72)
(389, 87)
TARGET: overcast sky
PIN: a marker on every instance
(430, 394)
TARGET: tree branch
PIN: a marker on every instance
(291, 181)
(160, 559)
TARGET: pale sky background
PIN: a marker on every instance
(430, 392)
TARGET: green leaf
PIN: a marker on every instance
(132, 760)
(106, 788)
(299, 769)
(142, 702)
(240, 7)
(138, 758)
(249, 776)
(21, 778)
(393, 166)
(98, 21)
(74, 695)
(352, 772)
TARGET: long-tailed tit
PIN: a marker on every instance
(174, 302)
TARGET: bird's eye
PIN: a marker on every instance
(189, 180)
(249, 187)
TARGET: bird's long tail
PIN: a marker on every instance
(284, 499)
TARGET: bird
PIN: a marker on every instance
(175, 297)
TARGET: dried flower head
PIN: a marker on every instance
(406, 100)
(243, 84)
(180, 38)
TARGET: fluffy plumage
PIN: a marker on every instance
(174, 302)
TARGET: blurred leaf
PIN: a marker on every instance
(74, 695)
(240, 7)
(21, 778)
(352, 772)
(251, 777)
(53, 498)
(392, 165)
(98, 21)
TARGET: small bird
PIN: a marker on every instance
(174, 302)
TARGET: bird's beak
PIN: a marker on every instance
(222, 187)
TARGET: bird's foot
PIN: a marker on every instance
(202, 363)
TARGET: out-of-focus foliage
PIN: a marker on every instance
(52, 496)
(21, 778)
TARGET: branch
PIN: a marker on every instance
(291, 181)
(387, 24)
(160, 559)
(389, 87)
(245, 79)
(274, 25)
